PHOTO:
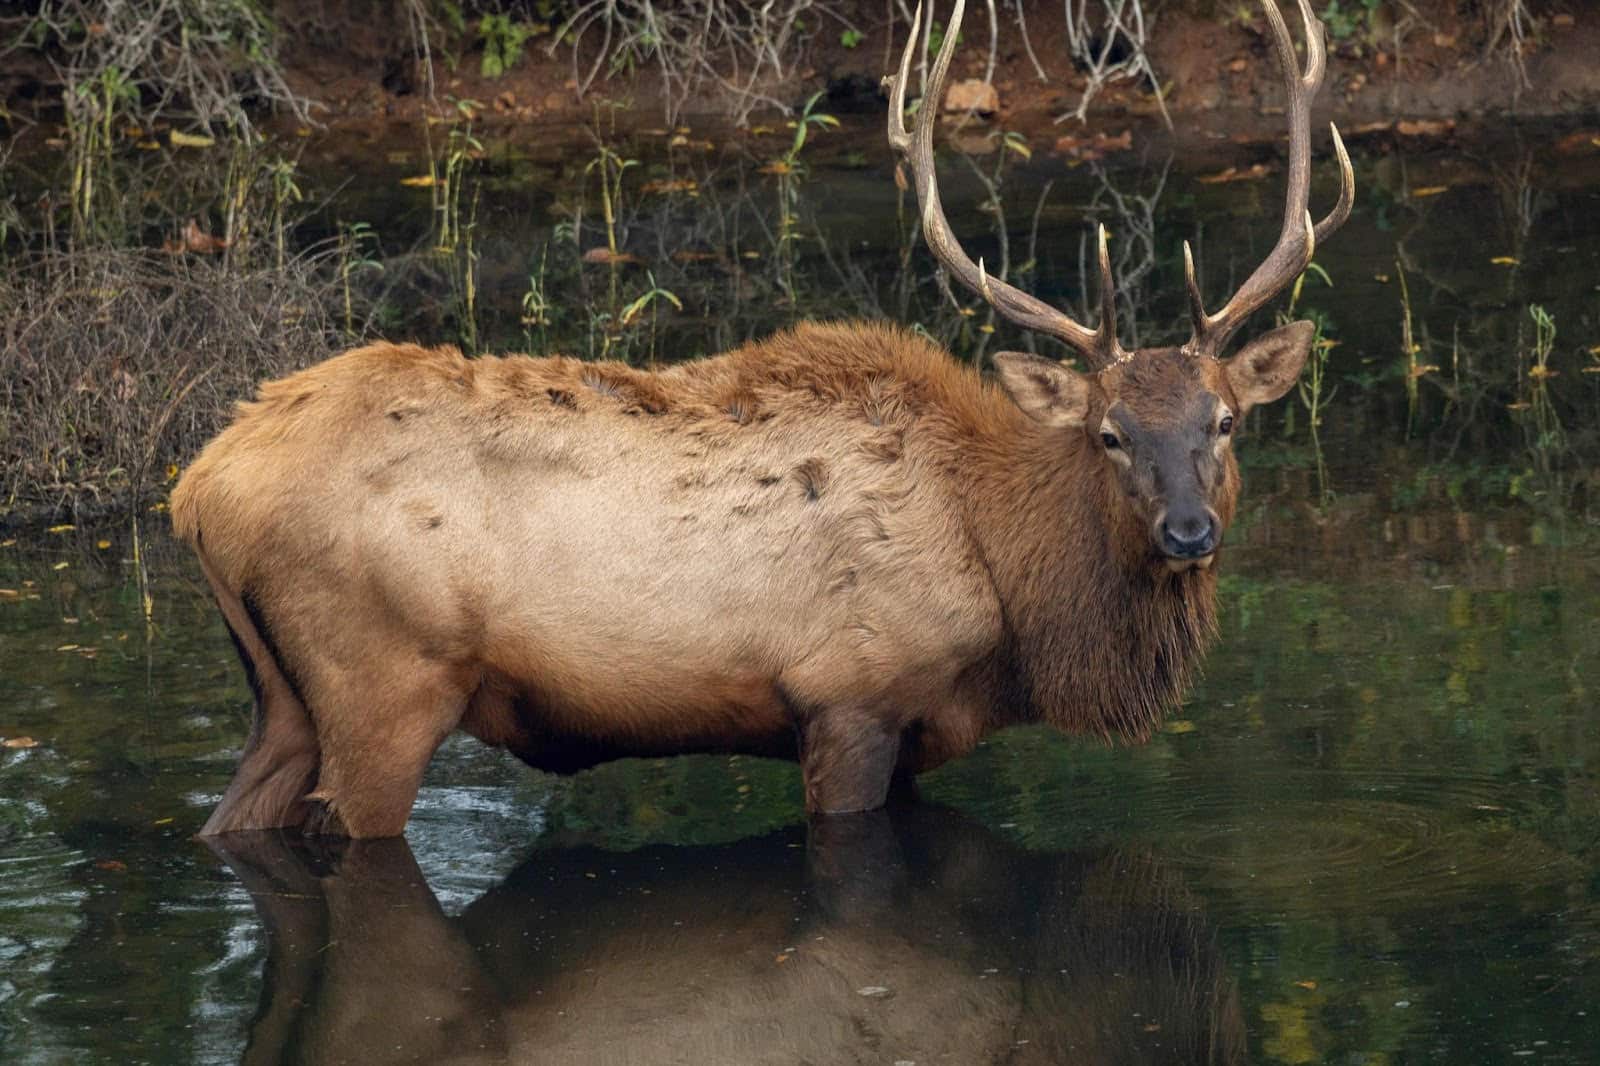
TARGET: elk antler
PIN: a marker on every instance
(1099, 347)
(1298, 240)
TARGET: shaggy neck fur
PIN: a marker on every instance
(1103, 639)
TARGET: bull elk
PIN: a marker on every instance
(836, 544)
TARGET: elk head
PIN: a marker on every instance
(1163, 418)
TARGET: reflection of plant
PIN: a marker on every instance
(790, 171)
(648, 300)
(1409, 350)
(535, 303)
(1347, 18)
(1313, 379)
(92, 108)
(354, 240)
(502, 42)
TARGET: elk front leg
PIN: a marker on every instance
(847, 759)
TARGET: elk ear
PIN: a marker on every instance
(1047, 392)
(1268, 366)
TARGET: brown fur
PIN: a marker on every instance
(836, 543)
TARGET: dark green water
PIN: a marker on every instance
(1372, 836)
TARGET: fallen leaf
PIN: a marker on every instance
(781, 959)
(180, 139)
(608, 257)
(873, 991)
(1253, 172)
(19, 742)
(1179, 725)
(685, 185)
(1309, 986)
(1429, 190)
(60, 566)
(116, 866)
(1583, 141)
(62, 528)
(162, 821)
(421, 181)
(102, 544)
(11, 543)
(69, 647)
(1423, 127)
(193, 239)
(10, 594)
(1505, 260)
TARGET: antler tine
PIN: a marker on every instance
(1299, 236)
(1098, 347)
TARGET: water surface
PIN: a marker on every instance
(1369, 836)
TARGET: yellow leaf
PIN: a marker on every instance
(68, 647)
(1429, 190)
(19, 742)
(102, 544)
(60, 566)
(190, 140)
(62, 528)
(1505, 260)
(12, 543)
(1179, 725)
(1309, 986)
(421, 181)
(986, 328)
(162, 821)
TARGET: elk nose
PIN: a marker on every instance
(1189, 536)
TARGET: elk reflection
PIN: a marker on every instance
(907, 935)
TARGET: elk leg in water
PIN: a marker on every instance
(378, 727)
(847, 759)
(280, 756)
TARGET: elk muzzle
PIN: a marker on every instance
(1188, 536)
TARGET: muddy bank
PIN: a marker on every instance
(1440, 61)
(360, 62)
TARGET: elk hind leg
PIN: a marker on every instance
(280, 754)
(377, 729)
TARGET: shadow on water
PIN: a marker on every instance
(912, 936)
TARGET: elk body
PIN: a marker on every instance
(837, 544)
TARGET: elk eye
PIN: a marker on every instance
(1226, 425)
(1110, 441)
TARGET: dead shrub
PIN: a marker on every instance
(115, 365)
